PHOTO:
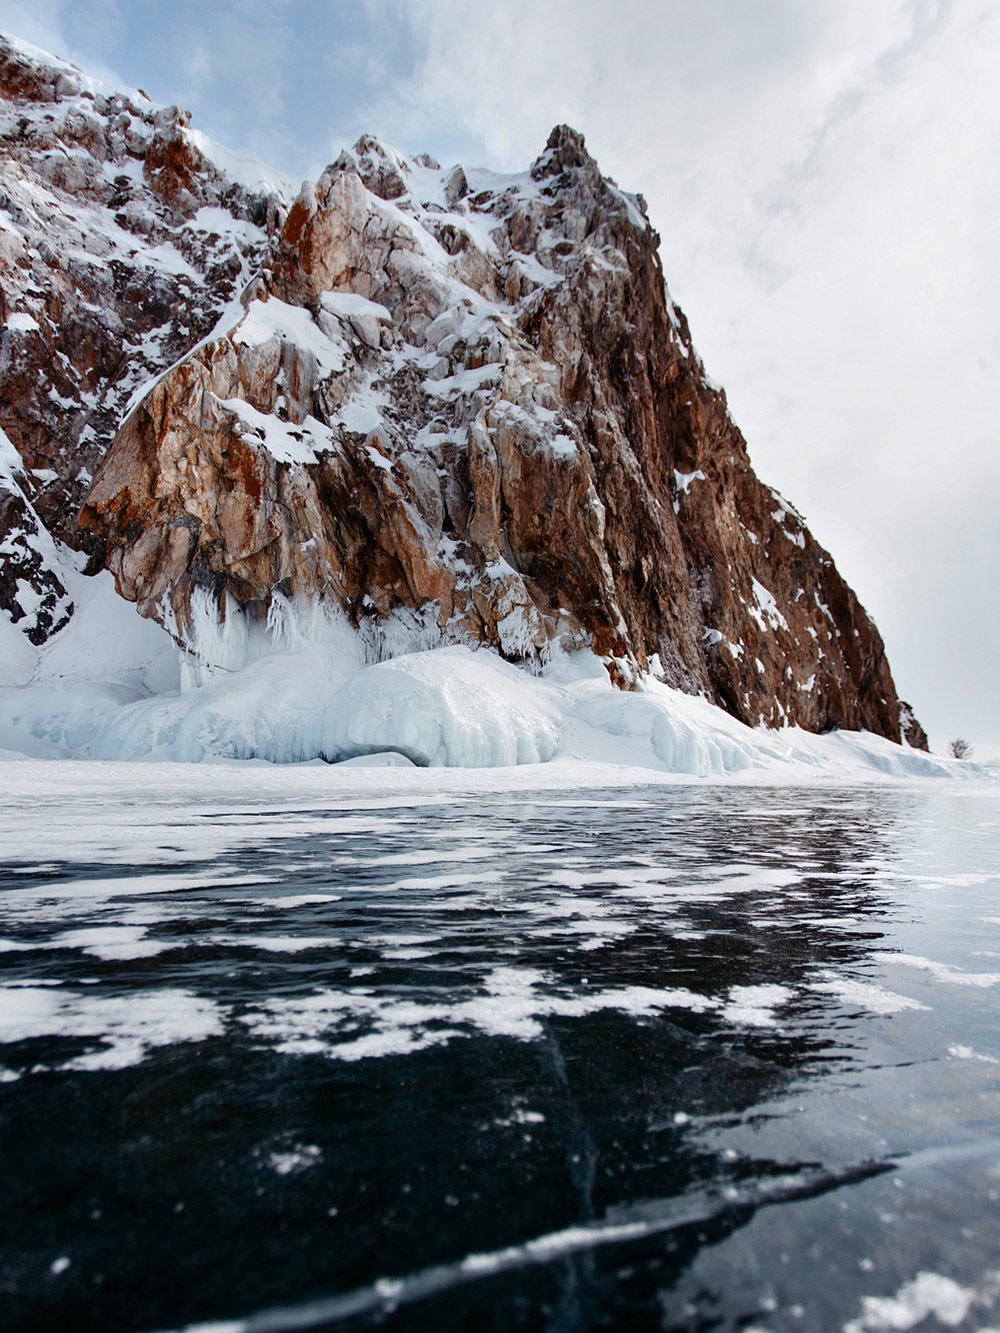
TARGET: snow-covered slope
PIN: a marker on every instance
(32, 590)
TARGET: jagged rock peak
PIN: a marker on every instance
(477, 412)
(564, 150)
(383, 170)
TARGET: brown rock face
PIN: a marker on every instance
(109, 271)
(913, 732)
(466, 404)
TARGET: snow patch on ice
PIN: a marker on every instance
(303, 899)
(956, 976)
(928, 1294)
(294, 1160)
(510, 1002)
(111, 943)
(864, 995)
(968, 1053)
(754, 1006)
(121, 1028)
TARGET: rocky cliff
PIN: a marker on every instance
(456, 406)
(121, 242)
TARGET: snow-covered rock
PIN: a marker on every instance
(912, 732)
(433, 408)
(123, 236)
(483, 408)
(33, 594)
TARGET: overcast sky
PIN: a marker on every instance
(825, 175)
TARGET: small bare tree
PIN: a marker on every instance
(960, 748)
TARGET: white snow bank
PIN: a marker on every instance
(18, 656)
(271, 709)
(109, 687)
(658, 724)
(108, 641)
(106, 657)
(448, 708)
(58, 722)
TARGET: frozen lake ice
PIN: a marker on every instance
(306, 1049)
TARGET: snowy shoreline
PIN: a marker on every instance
(313, 785)
(309, 690)
(113, 687)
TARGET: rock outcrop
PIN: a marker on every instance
(121, 243)
(912, 732)
(30, 588)
(450, 404)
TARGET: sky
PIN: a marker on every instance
(825, 178)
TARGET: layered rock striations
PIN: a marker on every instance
(460, 407)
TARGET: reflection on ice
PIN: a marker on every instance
(491, 1051)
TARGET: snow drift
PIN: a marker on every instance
(112, 686)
